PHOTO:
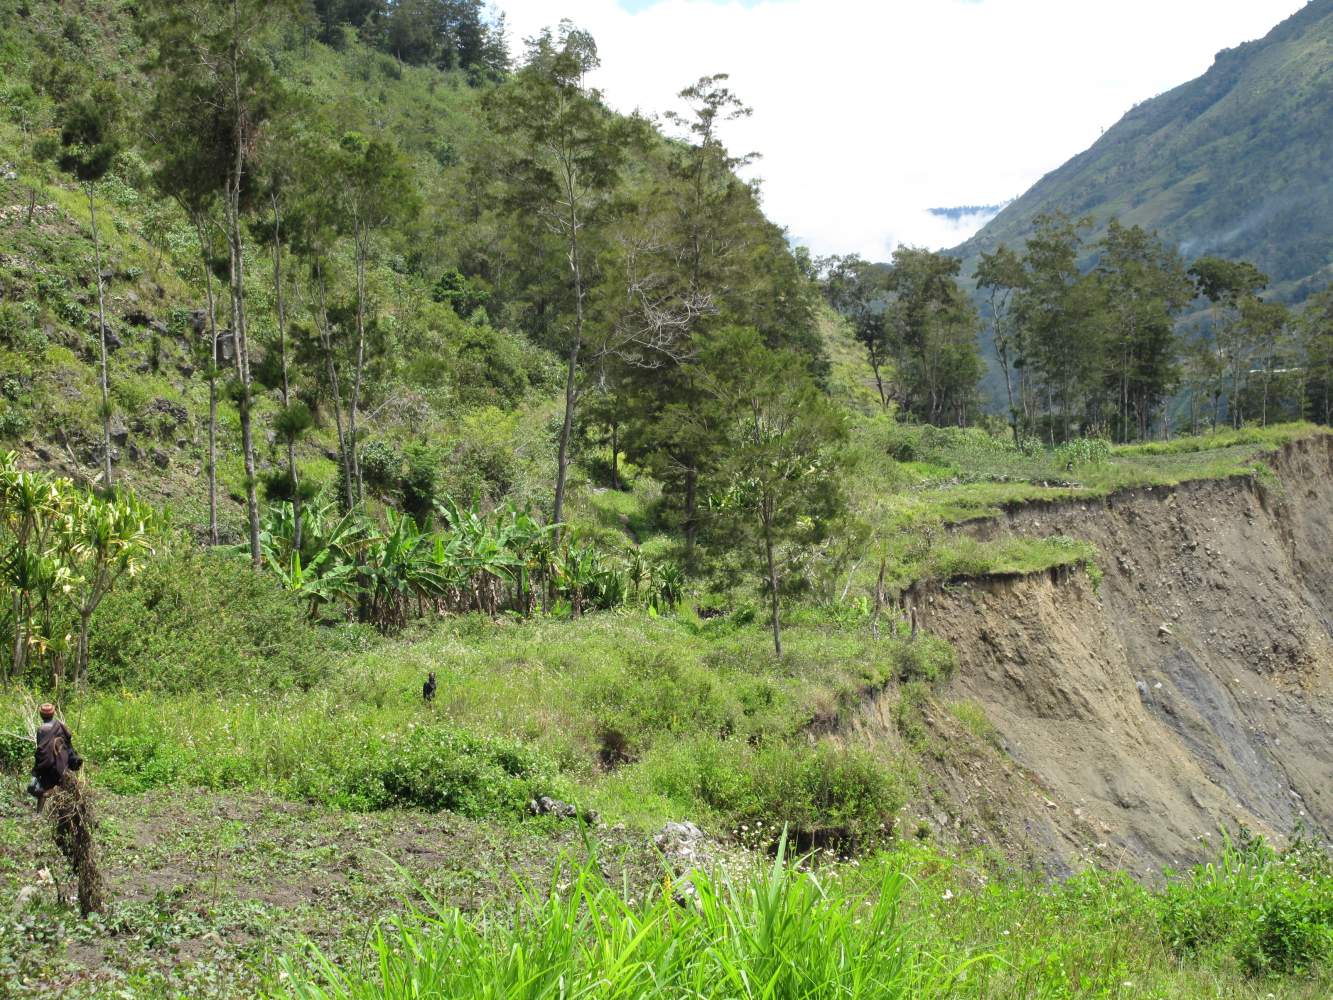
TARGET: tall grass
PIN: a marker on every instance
(914, 922)
(780, 934)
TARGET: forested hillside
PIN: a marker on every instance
(1234, 164)
(408, 316)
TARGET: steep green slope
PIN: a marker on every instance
(1238, 163)
(471, 393)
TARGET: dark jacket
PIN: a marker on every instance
(55, 753)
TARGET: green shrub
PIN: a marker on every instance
(924, 658)
(205, 620)
(1272, 912)
(15, 753)
(18, 331)
(909, 714)
(381, 465)
(420, 483)
(491, 368)
(653, 693)
(479, 469)
(1292, 929)
(434, 768)
(826, 795)
(973, 718)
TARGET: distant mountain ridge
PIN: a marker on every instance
(1237, 163)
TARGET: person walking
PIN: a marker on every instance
(55, 755)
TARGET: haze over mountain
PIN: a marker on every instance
(1237, 163)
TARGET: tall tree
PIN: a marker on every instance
(857, 291)
(932, 335)
(279, 183)
(189, 162)
(88, 146)
(722, 263)
(1058, 312)
(1145, 286)
(705, 202)
(1230, 286)
(215, 56)
(1267, 329)
(1000, 276)
(779, 477)
(568, 154)
(312, 222)
(376, 189)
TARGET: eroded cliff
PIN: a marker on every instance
(1188, 690)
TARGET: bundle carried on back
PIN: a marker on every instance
(70, 813)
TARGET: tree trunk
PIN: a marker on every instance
(615, 456)
(571, 375)
(212, 386)
(879, 383)
(774, 604)
(19, 644)
(236, 275)
(101, 340)
(354, 464)
(281, 303)
(81, 657)
(691, 511)
(879, 598)
(566, 431)
(237, 279)
(1009, 391)
(331, 367)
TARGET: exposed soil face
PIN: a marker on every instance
(1191, 690)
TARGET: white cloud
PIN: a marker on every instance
(869, 113)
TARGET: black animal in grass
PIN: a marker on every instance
(428, 689)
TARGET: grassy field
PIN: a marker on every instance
(949, 476)
(641, 718)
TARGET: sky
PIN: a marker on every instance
(867, 114)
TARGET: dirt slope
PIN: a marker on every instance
(1191, 689)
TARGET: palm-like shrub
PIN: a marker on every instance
(62, 550)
